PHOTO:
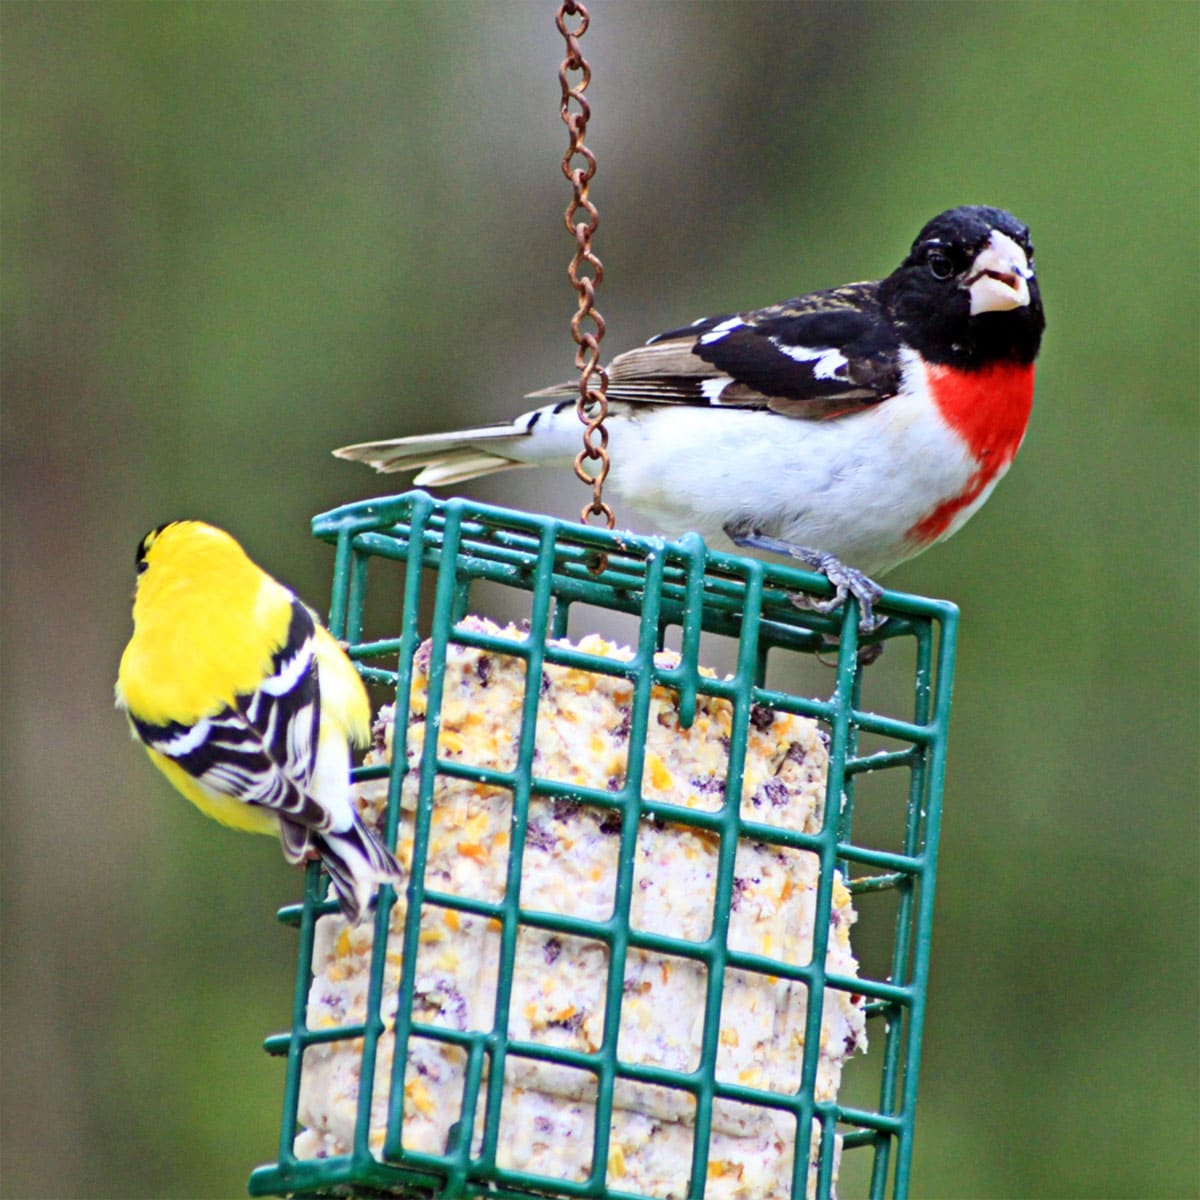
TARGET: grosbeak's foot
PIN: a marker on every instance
(846, 580)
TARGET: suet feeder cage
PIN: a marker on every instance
(619, 965)
(627, 1115)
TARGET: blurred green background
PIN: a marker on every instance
(237, 235)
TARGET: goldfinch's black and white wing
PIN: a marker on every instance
(261, 750)
(267, 750)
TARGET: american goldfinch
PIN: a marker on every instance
(248, 705)
(849, 429)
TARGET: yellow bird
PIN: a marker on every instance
(248, 705)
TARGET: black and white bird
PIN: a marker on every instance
(849, 429)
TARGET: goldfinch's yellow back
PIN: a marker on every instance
(247, 704)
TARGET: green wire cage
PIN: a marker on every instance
(430, 566)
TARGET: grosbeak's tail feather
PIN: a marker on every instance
(463, 466)
(445, 458)
(357, 863)
(862, 423)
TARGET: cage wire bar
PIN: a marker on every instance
(664, 585)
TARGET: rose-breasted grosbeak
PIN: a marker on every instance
(850, 428)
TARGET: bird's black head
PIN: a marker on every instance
(966, 294)
(142, 557)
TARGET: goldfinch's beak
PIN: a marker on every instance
(999, 277)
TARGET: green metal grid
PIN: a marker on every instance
(665, 585)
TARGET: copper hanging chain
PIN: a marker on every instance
(581, 220)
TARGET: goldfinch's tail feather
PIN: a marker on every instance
(296, 840)
(357, 862)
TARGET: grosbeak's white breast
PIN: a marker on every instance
(873, 489)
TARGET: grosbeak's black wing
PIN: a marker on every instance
(818, 356)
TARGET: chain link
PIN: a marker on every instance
(586, 270)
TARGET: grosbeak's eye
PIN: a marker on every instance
(940, 266)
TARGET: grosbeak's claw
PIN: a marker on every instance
(846, 580)
(812, 604)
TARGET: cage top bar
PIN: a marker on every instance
(579, 541)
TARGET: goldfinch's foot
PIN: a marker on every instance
(846, 580)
